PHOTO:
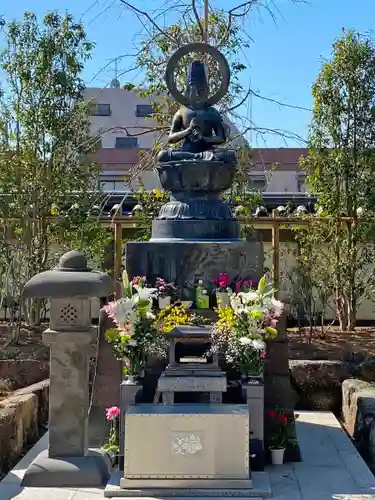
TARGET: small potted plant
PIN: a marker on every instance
(280, 435)
(223, 290)
(166, 291)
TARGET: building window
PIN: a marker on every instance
(257, 184)
(101, 110)
(112, 186)
(126, 142)
(143, 110)
(302, 188)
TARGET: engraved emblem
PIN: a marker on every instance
(186, 445)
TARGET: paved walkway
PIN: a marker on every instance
(331, 469)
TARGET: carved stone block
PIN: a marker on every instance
(192, 384)
(186, 262)
(193, 444)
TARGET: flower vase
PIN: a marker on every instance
(222, 299)
(277, 456)
(131, 379)
(164, 302)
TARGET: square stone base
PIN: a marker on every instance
(258, 487)
(186, 262)
(198, 441)
(90, 471)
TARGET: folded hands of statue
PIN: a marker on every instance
(196, 134)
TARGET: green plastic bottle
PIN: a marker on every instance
(202, 300)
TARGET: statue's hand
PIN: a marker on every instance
(193, 124)
(197, 136)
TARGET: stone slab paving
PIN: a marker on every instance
(331, 469)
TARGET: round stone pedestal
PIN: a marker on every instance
(195, 230)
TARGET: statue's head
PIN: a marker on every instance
(198, 88)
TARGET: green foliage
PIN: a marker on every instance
(151, 203)
(341, 167)
(309, 279)
(44, 143)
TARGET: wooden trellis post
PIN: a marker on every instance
(118, 257)
(276, 253)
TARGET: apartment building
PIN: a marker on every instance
(122, 119)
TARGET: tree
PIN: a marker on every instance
(341, 168)
(46, 178)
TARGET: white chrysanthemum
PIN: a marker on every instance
(277, 305)
(258, 345)
(248, 297)
(245, 341)
(237, 305)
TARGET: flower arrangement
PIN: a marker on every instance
(135, 337)
(112, 446)
(222, 282)
(172, 316)
(280, 430)
(241, 331)
(177, 315)
(165, 289)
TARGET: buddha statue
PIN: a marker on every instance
(198, 125)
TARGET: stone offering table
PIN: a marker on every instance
(191, 374)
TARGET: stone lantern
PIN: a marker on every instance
(70, 287)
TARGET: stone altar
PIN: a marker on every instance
(196, 374)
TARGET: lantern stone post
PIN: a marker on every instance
(70, 287)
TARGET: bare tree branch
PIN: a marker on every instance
(149, 18)
(197, 17)
(144, 130)
(231, 15)
(250, 91)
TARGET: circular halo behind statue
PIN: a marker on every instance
(202, 48)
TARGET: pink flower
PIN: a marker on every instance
(112, 413)
(139, 280)
(110, 309)
(222, 280)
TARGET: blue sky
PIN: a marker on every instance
(285, 57)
